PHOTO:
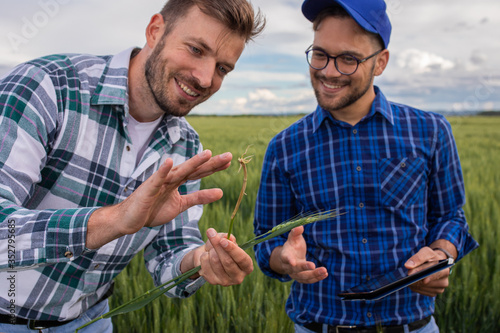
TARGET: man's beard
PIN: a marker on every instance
(344, 101)
(157, 80)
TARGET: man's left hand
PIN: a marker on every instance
(222, 261)
(434, 284)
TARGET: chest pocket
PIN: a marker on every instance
(402, 181)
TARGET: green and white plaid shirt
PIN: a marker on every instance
(64, 152)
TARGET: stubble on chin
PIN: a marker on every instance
(157, 84)
(159, 81)
(334, 103)
(337, 103)
(153, 77)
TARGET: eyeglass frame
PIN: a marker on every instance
(328, 57)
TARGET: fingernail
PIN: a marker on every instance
(211, 233)
(224, 242)
(411, 263)
(204, 153)
(226, 155)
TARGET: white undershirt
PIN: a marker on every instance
(141, 134)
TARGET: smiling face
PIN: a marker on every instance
(188, 65)
(346, 97)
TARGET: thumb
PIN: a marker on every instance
(295, 235)
(425, 254)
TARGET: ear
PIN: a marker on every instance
(154, 30)
(382, 60)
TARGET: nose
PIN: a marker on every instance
(204, 72)
(331, 70)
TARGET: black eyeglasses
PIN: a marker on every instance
(345, 63)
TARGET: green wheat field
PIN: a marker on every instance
(470, 304)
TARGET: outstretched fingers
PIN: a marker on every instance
(158, 178)
(310, 274)
(199, 166)
(293, 257)
(211, 166)
(201, 197)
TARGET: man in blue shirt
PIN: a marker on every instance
(393, 169)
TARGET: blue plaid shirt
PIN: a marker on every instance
(397, 176)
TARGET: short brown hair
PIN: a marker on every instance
(237, 15)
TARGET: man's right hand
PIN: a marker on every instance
(157, 201)
(290, 259)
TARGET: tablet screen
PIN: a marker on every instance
(386, 284)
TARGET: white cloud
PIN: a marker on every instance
(261, 95)
(287, 30)
(422, 62)
(265, 76)
(488, 106)
(10, 59)
(39, 27)
(262, 101)
(478, 58)
(439, 49)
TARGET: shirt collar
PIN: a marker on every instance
(380, 105)
(112, 86)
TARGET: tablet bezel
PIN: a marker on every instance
(377, 288)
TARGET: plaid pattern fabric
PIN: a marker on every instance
(64, 153)
(396, 175)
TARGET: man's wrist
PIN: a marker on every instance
(101, 229)
(446, 247)
(192, 260)
(275, 262)
(448, 254)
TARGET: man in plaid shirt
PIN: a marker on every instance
(394, 171)
(98, 163)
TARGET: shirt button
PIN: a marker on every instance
(68, 254)
(355, 131)
(403, 165)
(125, 189)
(128, 148)
(369, 314)
(96, 266)
(364, 240)
(361, 205)
(358, 168)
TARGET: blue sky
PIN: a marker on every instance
(444, 54)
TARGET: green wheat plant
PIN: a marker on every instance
(243, 161)
(258, 305)
(152, 294)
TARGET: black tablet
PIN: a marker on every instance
(381, 286)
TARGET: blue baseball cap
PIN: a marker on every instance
(371, 15)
